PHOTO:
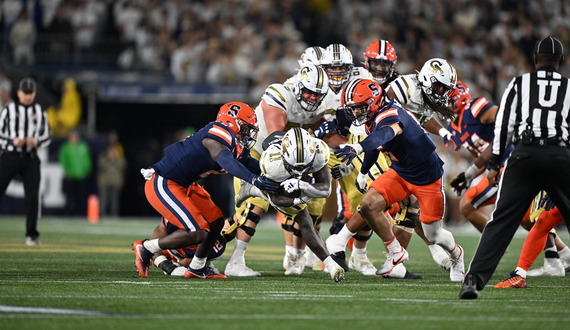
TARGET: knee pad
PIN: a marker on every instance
(362, 238)
(291, 229)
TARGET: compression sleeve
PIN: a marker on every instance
(378, 138)
(227, 161)
(369, 160)
(251, 164)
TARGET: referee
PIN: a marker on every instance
(23, 129)
(534, 111)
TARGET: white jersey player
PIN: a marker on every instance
(299, 163)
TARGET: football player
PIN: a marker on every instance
(299, 162)
(416, 169)
(219, 147)
(282, 106)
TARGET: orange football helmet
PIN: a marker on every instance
(461, 96)
(380, 58)
(241, 120)
(361, 99)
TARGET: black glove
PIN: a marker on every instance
(265, 184)
(340, 171)
(547, 203)
(460, 183)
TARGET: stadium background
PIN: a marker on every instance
(153, 71)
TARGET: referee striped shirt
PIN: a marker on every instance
(540, 99)
(20, 121)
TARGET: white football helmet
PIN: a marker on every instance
(311, 55)
(311, 86)
(437, 78)
(337, 62)
(298, 151)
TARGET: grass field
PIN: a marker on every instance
(83, 277)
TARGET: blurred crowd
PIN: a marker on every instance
(257, 42)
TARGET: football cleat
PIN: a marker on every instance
(296, 264)
(514, 282)
(392, 260)
(457, 271)
(334, 244)
(440, 256)
(142, 258)
(239, 269)
(360, 263)
(552, 267)
(337, 273)
(400, 272)
(340, 259)
(204, 272)
(30, 241)
(178, 271)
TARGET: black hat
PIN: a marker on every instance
(27, 85)
(549, 46)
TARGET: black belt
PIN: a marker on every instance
(541, 142)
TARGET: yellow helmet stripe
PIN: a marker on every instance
(300, 147)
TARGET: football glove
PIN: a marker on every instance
(340, 171)
(361, 182)
(547, 203)
(449, 138)
(325, 128)
(463, 180)
(292, 185)
(265, 184)
(347, 152)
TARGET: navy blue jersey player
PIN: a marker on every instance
(219, 147)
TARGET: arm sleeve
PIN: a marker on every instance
(251, 164)
(378, 138)
(227, 161)
(369, 160)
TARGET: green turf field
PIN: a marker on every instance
(83, 277)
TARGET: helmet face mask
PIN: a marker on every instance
(461, 97)
(298, 152)
(241, 120)
(311, 86)
(437, 79)
(380, 59)
(337, 62)
(361, 99)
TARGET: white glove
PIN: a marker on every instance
(291, 185)
(147, 173)
(361, 182)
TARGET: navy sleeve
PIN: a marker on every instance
(227, 161)
(378, 138)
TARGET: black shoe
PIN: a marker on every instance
(469, 289)
(340, 258)
(411, 276)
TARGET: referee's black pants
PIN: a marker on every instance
(529, 170)
(27, 165)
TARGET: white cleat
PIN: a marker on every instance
(239, 269)
(457, 271)
(361, 263)
(312, 261)
(440, 256)
(552, 267)
(392, 260)
(178, 271)
(334, 244)
(337, 273)
(296, 264)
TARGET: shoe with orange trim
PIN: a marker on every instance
(142, 258)
(205, 272)
(392, 260)
(514, 282)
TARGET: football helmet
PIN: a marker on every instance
(337, 62)
(361, 99)
(461, 96)
(379, 59)
(310, 87)
(437, 78)
(311, 55)
(241, 120)
(298, 151)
